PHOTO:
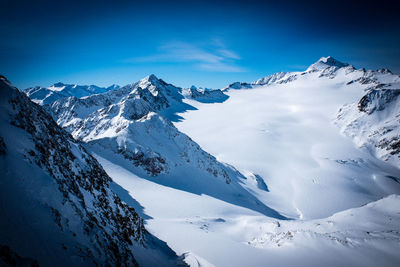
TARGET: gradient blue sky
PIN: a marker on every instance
(207, 43)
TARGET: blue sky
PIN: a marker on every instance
(207, 43)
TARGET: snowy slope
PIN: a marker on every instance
(280, 130)
(283, 124)
(57, 207)
(373, 120)
(47, 95)
(210, 232)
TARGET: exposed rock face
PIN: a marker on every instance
(10, 258)
(377, 100)
(3, 146)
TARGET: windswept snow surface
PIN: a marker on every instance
(284, 133)
(210, 232)
(282, 136)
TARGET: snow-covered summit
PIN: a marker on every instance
(326, 62)
(159, 87)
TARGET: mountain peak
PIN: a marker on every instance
(113, 86)
(59, 84)
(2, 77)
(151, 78)
(326, 62)
(332, 62)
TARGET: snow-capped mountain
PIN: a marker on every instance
(57, 206)
(332, 68)
(325, 67)
(130, 125)
(276, 78)
(47, 95)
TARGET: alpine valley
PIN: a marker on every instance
(294, 169)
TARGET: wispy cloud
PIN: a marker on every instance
(228, 53)
(211, 58)
(221, 67)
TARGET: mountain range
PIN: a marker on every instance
(292, 160)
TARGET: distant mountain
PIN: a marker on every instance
(237, 85)
(331, 68)
(47, 95)
(325, 66)
(57, 206)
(205, 95)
